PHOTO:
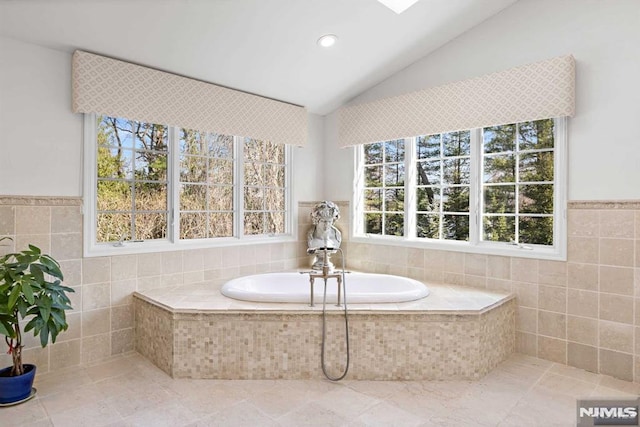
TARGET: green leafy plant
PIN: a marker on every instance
(31, 289)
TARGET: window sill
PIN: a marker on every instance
(554, 254)
(132, 248)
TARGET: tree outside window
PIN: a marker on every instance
(134, 198)
(482, 186)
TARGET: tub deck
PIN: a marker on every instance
(207, 297)
(195, 332)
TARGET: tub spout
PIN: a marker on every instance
(326, 274)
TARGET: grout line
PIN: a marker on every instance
(526, 393)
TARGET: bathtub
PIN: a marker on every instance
(194, 331)
(361, 288)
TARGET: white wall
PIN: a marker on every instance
(339, 163)
(603, 36)
(41, 138)
(307, 184)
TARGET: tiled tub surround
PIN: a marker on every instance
(195, 332)
(584, 312)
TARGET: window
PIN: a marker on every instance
(384, 188)
(153, 186)
(264, 187)
(498, 189)
(443, 164)
(132, 184)
(517, 183)
(206, 185)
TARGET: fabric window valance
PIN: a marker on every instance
(535, 91)
(116, 88)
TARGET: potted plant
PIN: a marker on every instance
(30, 291)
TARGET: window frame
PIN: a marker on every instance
(557, 251)
(383, 187)
(240, 142)
(175, 168)
(92, 248)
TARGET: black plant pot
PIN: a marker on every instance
(15, 389)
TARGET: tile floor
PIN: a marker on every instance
(130, 391)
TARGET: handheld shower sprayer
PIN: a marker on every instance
(323, 240)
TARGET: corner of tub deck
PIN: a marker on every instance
(154, 332)
(507, 298)
(155, 301)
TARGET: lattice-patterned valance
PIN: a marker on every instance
(107, 86)
(531, 92)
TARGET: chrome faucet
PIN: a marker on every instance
(324, 274)
(323, 240)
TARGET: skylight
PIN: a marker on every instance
(398, 6)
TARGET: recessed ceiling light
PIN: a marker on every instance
(398, 6)
(327, 40)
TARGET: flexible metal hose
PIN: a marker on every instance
(346, 324)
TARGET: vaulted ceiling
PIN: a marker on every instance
(266, 47)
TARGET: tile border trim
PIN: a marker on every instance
(40, 201)
(604, 204)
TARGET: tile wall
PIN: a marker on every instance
(584, 312)
(101, 324)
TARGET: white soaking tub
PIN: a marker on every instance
(363, 288)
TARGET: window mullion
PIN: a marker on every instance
(132, 182)
(238, 186)
(517, 187)
(475, 190)
(358, 205)
(288, 191)
(410, 206)
(173, 176)
(383, 185)
(441, 191)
